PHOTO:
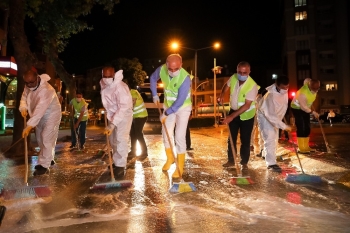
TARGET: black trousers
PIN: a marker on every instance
(302, 121)
(136, 134)
(188, 137)
(245, 129)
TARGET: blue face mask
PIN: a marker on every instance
(242, 78)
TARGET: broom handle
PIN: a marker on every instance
(25, 155)
(231, 144)
(324, 136)
(13, 145)
(109, 151)
(171, 145)
(294, 146)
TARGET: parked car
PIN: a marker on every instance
(337, 119)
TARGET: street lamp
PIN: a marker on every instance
(216, 70)
(65, 102)
(175, 45)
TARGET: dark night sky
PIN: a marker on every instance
(247, 30)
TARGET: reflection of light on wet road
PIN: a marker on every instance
(294, 197)
(138, 148)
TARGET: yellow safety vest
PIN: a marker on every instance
(139, 110)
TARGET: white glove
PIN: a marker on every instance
(316, 115)
(109, 129)
(288, 128)
(162, 118)
(156, 99)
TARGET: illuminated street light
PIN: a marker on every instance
(216, 70)
(65, 102)
(175, 46)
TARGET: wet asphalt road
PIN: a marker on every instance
(270, 204)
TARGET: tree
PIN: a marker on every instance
(132, 71)
(56, 21)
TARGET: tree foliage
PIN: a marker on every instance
(132, 71)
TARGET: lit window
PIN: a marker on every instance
(302, 15)
(298, 3)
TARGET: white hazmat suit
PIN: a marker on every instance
(45, 114)
(272, 108)
(117, 100)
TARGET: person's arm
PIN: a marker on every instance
(303, 103)
(155, 76)
(81, 114)
(181, 96)
(250, 97)
(123, 101)
(268, 109)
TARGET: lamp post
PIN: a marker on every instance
(216, 70)
(175, 46)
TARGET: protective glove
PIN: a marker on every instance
(26, 131)
(156, 99)
(220, 100)
(288, 128)
(24, 113)
(109, 129)
(162, 118)
(316, 115)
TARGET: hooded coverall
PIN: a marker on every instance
(45, 114)
(117, 101)
(272, 108)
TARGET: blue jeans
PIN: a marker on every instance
(81, 132)
(245, 130)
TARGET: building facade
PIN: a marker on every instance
(316, 45)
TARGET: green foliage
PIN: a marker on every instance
(132, 71)
(57, 20)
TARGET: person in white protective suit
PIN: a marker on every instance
(117, 100)
(40, 101)
(272, 108)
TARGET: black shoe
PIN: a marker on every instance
(118, 172)
(72, 146)
(274, 168)
(40, 170)
(52, 163)
(131, 155)
(189, 148)
(229, 164)
(244, 168)
(260, 154)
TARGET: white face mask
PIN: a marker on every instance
(174, 74)
(32, 88)
(108, 81)
(283, 91)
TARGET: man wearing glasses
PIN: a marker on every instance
(243, 92)
(177, 107)
(40, 101)
(117, 101)
(301, 109)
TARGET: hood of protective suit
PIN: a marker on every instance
(118, 77)
(273, 106)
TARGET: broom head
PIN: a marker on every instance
(26, 192)
(112, 184)
(240, 180)
(182, 187)
(303, 178)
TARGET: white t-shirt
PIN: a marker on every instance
(251, 95)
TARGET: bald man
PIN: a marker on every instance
(301, 108)
(117, 101)
(40, 100)
(177, 107)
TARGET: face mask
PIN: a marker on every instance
(32, 88)
(108, 81)
(78, 99)
(242, 78)
(314, 92)
(174, 74)
(283, 91)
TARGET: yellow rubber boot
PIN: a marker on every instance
(301, 146)
(169, 160)
(181, 164)
(307, 145)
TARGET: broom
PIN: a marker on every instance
(182, 186)
(325, 140)
(113, 183)
(239, 179)
(301, 178)
(26, 191)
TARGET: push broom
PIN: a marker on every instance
(26, 191)
(239, 179)
(324, 138)
(182, 186)
(113, 183)
(301, 178)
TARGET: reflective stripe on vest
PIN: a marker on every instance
(172, 85)
(139, 109)
(77, 109)
(310, 97)
(246, 87)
